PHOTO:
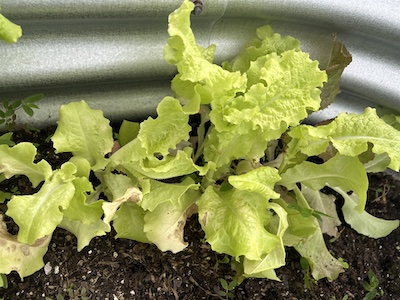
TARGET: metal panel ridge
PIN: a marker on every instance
(110, 53)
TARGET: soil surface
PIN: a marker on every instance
(112, 268)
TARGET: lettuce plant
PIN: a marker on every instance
(229, 147)
(9, 32)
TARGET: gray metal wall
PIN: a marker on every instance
(110, 52)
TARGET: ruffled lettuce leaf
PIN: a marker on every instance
(171, 126)
(234, 223)
(261, 180)
(156, 152)
(363, 222)
(340, 171)
(267, 42)
(83, 215)
(350, 134)
(285, 87)
(9, 32)
(39, 214)
(18, 160)
(16, 256)
(79, 208)
(198, 78)
(223, 147)
(84, 132)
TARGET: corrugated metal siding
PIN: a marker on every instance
(110, 53)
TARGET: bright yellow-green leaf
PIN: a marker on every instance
(84, 132)
(39, 214)
(18, 160)
(340, 171)
(234, 223)
(350, 134)
(363, 222)
(9, 32)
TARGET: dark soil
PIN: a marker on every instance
(122, 269)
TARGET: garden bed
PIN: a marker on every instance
(124, 269)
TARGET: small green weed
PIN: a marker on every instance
(72, 294)
(228, 288)
(8, 112)
(372, 286)
(305, 266)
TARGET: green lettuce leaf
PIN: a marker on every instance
(261, 180)
(379, 163)
(165, 192)
(340, 171)
(169, 166)
(274, 259)
(321, 261)
(363, 222)
(171, 126)
(9, 32)
(197, 74)
(350, 134)
(128, 222)
(284, 87)
(325, 204)
(132, 194)
(116, 185)
(84, 232)
(84, 132)
(39, 214)
(18, 160)
(82, 166)
(156, 152)
(313, 248)
(20, 257)
(392, 120)
(234, 223)
(223, 147)
(128, 132)
(164, 226)
(78, 208)
(300, 227)
(267, 42)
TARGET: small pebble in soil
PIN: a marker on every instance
(47, 268)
